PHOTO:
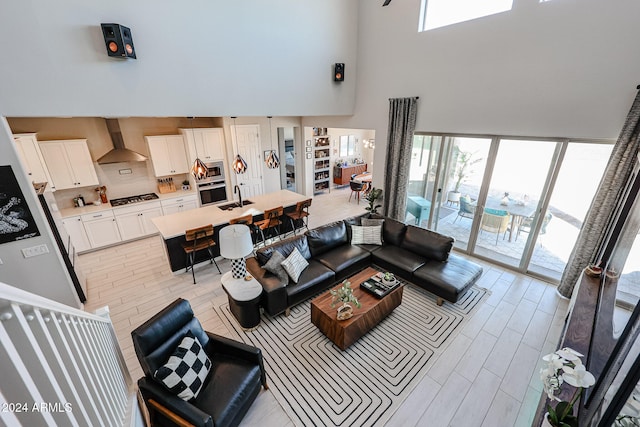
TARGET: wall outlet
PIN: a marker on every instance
(35, 251)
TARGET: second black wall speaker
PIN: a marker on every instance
(338, 72)
(118, 40)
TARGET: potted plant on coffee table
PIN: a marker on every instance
(344, 295)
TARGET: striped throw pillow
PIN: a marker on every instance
(361, 235)
(295, 264)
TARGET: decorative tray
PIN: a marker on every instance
(376, 287)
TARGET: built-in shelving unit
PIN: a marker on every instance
(321, 161)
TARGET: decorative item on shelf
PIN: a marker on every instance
(505, 199)
(562, 366)
(239, 165)
(272, 160)
(235, 244)
(199, 170)
(344, 295)
(612, 273)
(186, 186)
(371, 197)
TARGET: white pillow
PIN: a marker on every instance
(295, 264)
(361, 235)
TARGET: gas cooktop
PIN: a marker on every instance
(133, 199)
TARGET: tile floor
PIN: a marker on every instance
(487, 376)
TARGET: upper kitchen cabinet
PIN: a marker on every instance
(69, 163)
(205, 143)
(32, 160)
(168, 155)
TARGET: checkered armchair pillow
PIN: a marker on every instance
(187, 368)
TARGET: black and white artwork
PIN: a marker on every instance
(16, 221)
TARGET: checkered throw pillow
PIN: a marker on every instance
(187, 368)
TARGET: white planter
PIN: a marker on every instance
(453, 196)
(545, 421)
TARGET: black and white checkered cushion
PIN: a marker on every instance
(187, 368)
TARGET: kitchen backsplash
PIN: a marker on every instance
(121, 180)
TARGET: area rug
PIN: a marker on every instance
(317, 384)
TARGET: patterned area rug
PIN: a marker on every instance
(319, 385)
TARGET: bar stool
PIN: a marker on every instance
(198, 239)
(248, 221)
(271, 222)
(301, 212)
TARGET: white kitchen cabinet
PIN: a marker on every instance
(135, 221)
(179, 204)
(168, 154)
(69, 163)
(205, 143)
(32, 160)
(101, 228)
(75, 229)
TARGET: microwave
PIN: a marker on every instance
(216, 171)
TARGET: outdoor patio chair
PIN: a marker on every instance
(495, 223)
(527, 223)
(467, 208)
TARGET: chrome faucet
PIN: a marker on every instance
(236, 188)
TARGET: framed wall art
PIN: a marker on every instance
(16, 221)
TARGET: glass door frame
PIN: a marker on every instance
(445, 142)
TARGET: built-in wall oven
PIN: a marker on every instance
(213, 188)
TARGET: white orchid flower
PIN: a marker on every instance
(578, 376)
(569, 354)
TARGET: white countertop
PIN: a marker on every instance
(65, 213)
(176, 224)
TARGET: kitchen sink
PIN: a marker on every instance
(230, 206)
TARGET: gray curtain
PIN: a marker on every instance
(606, 202)
(402, 123)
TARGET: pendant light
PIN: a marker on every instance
(272, 160)
(239, 165)
(199, 170)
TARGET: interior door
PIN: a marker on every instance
(246, 139)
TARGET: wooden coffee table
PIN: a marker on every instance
(343, 333)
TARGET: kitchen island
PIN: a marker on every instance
(172, 227)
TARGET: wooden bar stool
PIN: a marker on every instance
(301, 213)
(271, 222)
(248, 221)
(198, 239)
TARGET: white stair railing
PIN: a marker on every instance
(60, 366)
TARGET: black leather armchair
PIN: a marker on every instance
(236, 375)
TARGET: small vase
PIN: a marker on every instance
(545, 421)
(345, 311)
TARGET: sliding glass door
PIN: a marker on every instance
(517, 202)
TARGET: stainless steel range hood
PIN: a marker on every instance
(119, 153)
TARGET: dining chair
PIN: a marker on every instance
(356, 187)
(198, 239)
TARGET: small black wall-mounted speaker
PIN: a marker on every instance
(338, 72)
(118, 41)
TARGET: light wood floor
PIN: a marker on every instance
(487, 376)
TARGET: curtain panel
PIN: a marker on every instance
(606, 203)
(402, 124)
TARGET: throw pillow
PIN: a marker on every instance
(295, 265)
(361, 235)
(274, 266)
(366, 222)
(187, 368)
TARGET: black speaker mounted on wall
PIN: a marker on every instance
(118, 41)
(338, 72)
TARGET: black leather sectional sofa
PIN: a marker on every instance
(420, 256)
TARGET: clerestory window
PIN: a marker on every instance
(440, 13)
